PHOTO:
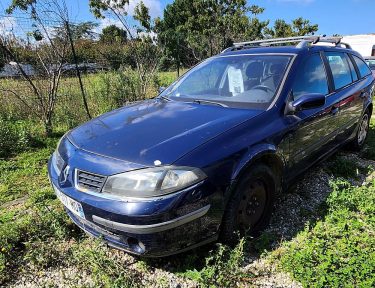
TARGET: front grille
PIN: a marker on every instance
(87, 181)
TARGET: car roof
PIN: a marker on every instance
(285, 50)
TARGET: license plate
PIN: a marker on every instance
(74, 206)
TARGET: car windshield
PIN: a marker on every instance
(241, 81)
(371, 63)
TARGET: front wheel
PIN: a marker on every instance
(362, 132)
(250, 207)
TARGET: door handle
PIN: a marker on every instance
(363, 94)
(334, 110)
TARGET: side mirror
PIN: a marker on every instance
(306, 102)
(161, 89)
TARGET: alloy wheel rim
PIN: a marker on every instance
(363, 129)
(252, 206)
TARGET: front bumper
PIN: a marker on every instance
(154, 228)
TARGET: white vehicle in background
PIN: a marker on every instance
(364, 44)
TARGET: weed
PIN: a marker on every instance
(338, 250)
(343, 167)
(105, 270)
(222, 267)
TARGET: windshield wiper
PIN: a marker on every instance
(209, 102)
(165, 98)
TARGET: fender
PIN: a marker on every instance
(254, 153)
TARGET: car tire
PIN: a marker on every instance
(250, 207)
(360, 138)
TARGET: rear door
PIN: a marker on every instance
(348, 90)
(315, 130)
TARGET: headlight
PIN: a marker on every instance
(57, 162)
(152, 182)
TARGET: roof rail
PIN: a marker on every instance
(303, 41)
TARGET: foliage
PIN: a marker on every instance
(193, 31)
(120, 87)
(51, 57)
(106, 271)
(298, 27)
(342, 167)
(338, 250)
(145, 53)
(222, 267)
(113, 34)
(83, 30)
(37, 216)
(14, 137)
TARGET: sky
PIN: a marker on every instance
(344, 17)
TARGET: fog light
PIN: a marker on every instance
(136, 245)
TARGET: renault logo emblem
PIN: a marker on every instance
(65, 174)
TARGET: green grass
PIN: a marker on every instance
(337, 251)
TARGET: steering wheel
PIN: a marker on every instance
(263, 87)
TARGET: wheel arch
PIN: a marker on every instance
(265, 154)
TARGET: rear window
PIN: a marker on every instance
(364, 70)
(340, 68)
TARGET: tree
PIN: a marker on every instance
(192, 31)
(113, 35)
(298, 27)
(142, 40)
(79, 31)
(51, 54)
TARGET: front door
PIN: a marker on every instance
(313, 131)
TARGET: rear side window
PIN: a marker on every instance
(341, 72)
(352, 69)
(364, 70)
(311, 77)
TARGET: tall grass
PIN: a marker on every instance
(105, 91)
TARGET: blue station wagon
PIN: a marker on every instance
(205, 159)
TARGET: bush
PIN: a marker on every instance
(14, 138)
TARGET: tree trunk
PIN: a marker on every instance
(48, 127)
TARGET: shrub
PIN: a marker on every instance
(14, 138)
(223, 267)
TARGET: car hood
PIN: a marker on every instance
(156, 130)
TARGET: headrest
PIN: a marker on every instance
(277, 68)
(254, 70)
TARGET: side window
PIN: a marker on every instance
(352, 69)
(341, 72)
(364, 70)
(311, 77)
